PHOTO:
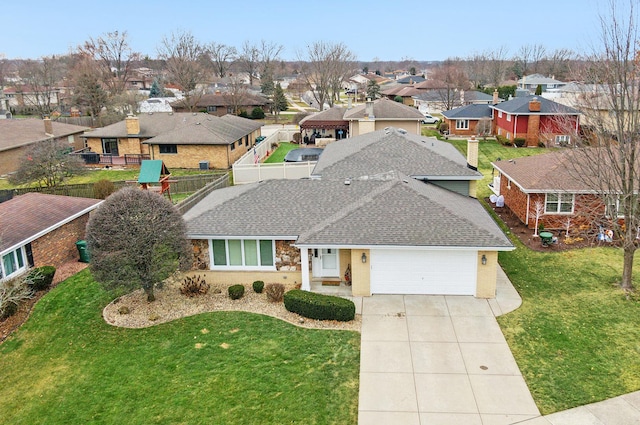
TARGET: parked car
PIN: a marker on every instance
(428, 119)
(350, 91)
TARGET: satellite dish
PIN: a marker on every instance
(493, 198)
(500, 201)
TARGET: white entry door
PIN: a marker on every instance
(325, 262)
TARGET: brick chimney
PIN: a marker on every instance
(472, 163)
(133, 125)
(495, 97)
(534, 105)
(48, 126)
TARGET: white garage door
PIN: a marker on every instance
(395, 271)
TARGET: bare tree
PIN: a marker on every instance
(498, 65)
(557, 63)
(529, 57)
(236, 95)
(222, 56)
(40, 78)
(249, 60)
(136, 239)
(257, 59)
(608, 161)
(538, 212)
(88, 92)
(47, 164)
(184, 57)
(449, 79)
(115, 58)
(324, 67)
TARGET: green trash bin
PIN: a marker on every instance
(83, 251)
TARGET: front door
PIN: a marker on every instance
(325, 263)
(110, 146)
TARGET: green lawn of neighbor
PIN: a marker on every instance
(279, 154)
(67, 366)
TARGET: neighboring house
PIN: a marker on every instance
(156, 104)
(381, 113)
(329, 123)
(464, 121)
(395, 234)
(17, 135)
(531, 83)
(41, 230)
(435, 101)
(547, 186)
(535, 119)
(24, 98)
(181, 140)
(402, 91)
(220, 104)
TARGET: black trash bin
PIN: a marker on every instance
(83, 251)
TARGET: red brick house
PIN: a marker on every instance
(546, 186)
(41, 230)
(534, 119)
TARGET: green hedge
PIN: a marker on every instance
(236, 292)
(318, 306)
(42, 277)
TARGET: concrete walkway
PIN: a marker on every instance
(443, 360)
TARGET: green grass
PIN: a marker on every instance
(279, 154)
(575, 337)
(94, 175)
(66, 366)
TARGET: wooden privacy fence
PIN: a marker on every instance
(182, 184)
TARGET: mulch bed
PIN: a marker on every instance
(526, 236)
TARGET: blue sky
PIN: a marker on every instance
(387, 30)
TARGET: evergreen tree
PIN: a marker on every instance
(156, 89)
(373, 90)
(539, 90)
(279, 100)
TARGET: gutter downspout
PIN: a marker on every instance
(528, 205)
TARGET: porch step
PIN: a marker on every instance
(331, 281)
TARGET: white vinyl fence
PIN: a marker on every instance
(245, 170)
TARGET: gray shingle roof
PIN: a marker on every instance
(385, 109)
(396, 212)
(20, 132)
(474, 112)
(392, 150)
(27, 216)
(520, 105)
(183, 128)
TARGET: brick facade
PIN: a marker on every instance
(588, 209)
(59, 246)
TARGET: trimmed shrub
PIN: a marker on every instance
(41, 278)
(318, 306)
(274, 292)
(519, 141)
(258, 286)
(193, 286)
(257, 113)
(503, 140)
(236, 292)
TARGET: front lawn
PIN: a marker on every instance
(66, 366)
(576, 336)
(279, 154)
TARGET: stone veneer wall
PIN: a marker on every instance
(59, 246)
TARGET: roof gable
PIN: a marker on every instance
(391, 150)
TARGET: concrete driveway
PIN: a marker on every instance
(439, 360)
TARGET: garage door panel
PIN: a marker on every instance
(423, 272)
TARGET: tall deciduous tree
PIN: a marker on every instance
(136, 239)
(47, 164)
(88, 91)
(41, 78)
(114, 57)
(185, 64)
(222, 56)
(609, 161)
(324, 66)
